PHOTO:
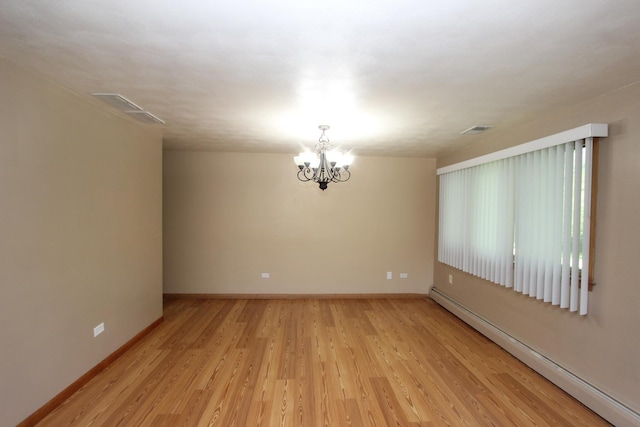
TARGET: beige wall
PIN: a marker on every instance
(230, 217)
(80, 237)
(604, 346)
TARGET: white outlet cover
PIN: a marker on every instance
(265, 275)
(403, 275)
(98, 329)
(389, 275)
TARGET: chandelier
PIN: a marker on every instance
(325, 165)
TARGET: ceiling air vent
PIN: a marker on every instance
(117, 101)
(145, 117)
(128, 107)
(475, 130)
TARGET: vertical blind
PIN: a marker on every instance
(523, 222)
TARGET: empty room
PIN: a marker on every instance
(319, 213)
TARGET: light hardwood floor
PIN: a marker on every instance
(317, 362)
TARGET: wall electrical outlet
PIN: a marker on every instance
(389, 275)
(451, 279)
(265, 275)
(403, 275)
(98, 329)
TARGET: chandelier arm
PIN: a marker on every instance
(334, 175)
(302, 174)
(342, 175)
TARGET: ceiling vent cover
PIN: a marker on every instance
(475, 130)
(118, 101)
(145, 117)
(128, 107)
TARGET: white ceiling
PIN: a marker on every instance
(399, 78)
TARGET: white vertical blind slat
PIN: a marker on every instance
(540, 207)
(586, 227)
(526, 229)
(557, 226)
(510, 211)
(566, 227)
(575, 246)
(520, 238)
(549, 219)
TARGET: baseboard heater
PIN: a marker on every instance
(595, 399)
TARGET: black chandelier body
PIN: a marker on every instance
(325, 165)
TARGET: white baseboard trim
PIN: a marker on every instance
(595, 399)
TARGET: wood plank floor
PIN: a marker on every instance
(370, 362)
